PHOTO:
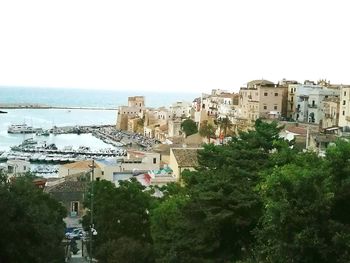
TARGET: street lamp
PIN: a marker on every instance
(92, 230)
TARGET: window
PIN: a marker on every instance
(291, 99)
(276, 94)
(154, 160)
(102, 172)
(265, 94)
(265, 107)
(344, 102)
(275, 107)
(343, 112)
(344, 93)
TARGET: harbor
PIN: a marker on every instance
(45, 157)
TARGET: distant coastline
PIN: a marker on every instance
(42, 106)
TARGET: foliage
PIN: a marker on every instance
(120, 213)
(224, 124)
(297, 199)
(207, 130)
(189, 127)
(254, 199)
(32, 223)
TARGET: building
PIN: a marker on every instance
(181, 109)
(262, 99)
(330, 112)
(135, 162)
(80, 169)
(309, 98)
(344, 108)
(174, 127)
(161, 176)
(135, 108)
(71, 194)
(17, 167)
(182, 159)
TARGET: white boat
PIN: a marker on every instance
(29, 141)
(21, 128)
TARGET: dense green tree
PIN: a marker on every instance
(169, 231)
(120, 213)
(212, 220)
(32, 223)
(189, 127)
(297, 199)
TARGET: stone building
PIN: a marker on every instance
(330, 112)
(135, 109)
(262, 99)
(71, 194)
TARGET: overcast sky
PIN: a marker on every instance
(172, 45)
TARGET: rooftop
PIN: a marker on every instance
(186, 157)
(81, 165)
(67, 187)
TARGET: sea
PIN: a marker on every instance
(103, 102)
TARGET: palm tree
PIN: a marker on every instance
(207, 130)
(226, 124)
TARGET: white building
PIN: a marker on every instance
(135, 162)
(309, 101)
(17, 167)
(181, 109)
(344, 108)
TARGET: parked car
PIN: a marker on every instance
(77, 233)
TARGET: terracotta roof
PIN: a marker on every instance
(186, 157)
(68, 187)
(81, 165)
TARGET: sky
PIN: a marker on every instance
(184, 46)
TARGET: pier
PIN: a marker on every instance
(43, 106)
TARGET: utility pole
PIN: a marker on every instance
(92, 206)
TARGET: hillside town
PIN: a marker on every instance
(313, 113)
(155, 147)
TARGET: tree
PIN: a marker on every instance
(169, 230)
(120, 213)
(32, 223)
(224, 125)
(189, 127)
(207, 130)
(213, 219)
(297, 199)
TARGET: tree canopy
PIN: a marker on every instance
(32, 223)
(254, 199)
(122, 222)
(189, 127)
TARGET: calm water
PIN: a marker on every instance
(46, 118)
(88, 98)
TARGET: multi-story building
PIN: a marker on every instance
(135, 108)
(309, 98)
(181, 109)
(261, 99)
(330, 112)
(344, 108)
